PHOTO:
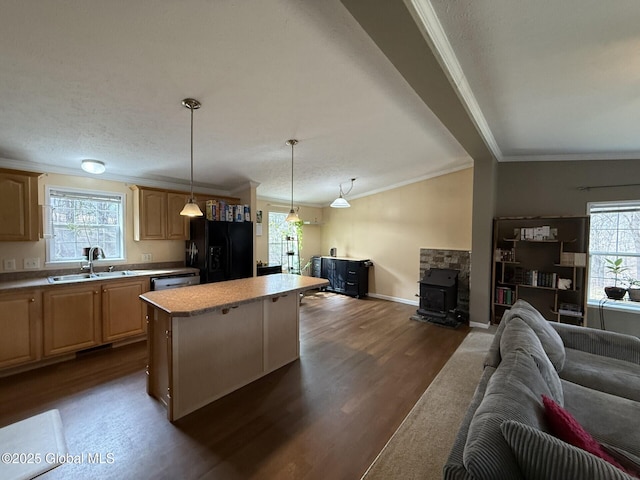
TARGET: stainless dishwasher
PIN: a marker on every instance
(174, 281)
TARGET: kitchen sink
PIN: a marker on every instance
(79, 277)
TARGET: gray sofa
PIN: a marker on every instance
(593, 374)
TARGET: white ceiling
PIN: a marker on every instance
(105, 79)
(554, 80)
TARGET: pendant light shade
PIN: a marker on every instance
(191, 208)
(341, 202)
(293, 215)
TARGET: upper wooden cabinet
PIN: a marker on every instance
(177, 225)
(18, 206)
(156, 214)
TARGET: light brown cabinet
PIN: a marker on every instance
(20, 323)
(123, 314)
(71, 318)
(177, 225)
(18, 206)
(156, 214)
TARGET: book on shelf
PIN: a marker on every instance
(505, 295)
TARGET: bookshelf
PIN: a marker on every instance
(542, 260)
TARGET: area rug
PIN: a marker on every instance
(30, 447)
(421, 445)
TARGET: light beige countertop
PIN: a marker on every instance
(44, 282)
(199, 299)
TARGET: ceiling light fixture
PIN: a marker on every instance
(191, 209)
(293, 215)
(93, 166)
(341, 202)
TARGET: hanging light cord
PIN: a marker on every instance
(191, 108)
(292, 144)
(348, 191)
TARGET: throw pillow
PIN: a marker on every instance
(542, 456)
(517, 335)
(550, 339)
(564, 426)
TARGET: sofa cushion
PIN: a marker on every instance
(542, 456)
(608, 418)
(514, 392)
(568, 429)
(551, 341)
(606, 374)
(518, 335)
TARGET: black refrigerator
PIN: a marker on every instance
(221, 250)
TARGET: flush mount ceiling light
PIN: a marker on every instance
(93, 166)
(293, 215)
(191, 208)
(341, 202)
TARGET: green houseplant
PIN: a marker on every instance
(634, 289)
(616, 268)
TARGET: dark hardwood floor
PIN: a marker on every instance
(363, 366)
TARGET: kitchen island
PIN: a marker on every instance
(206, 341)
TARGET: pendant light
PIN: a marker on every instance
(341, 202)
(293, 216)
(191, 208)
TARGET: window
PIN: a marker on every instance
(614, 233)
(283, 242)
(81, 219)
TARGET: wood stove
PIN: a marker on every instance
(439, 296)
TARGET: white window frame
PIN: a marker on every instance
(121, 197)
(595, 299)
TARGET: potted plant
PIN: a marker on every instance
(634, 289)
(616, 268)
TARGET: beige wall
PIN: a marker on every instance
(311, 233)
(391, 227)
(161, 250)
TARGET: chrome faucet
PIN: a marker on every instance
(90, 258)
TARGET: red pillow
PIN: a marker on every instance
(567, 429)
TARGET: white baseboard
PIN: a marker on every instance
(394, 299)
(479, 325)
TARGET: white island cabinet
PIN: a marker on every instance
(206, 341)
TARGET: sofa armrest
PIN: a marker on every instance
(493, 357)
(600, 342)
(454, 467)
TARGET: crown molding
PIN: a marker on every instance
(571, 157)
(151, 181)
(425, 17)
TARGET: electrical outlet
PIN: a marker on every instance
(31, 263)
(147, 257)
(10, 264)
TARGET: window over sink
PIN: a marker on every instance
(82, 219)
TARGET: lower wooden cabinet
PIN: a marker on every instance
(71, 318)
(20, 324)
(123, 314)
(85, 315)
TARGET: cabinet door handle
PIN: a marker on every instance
(32, 300)
(96, 292)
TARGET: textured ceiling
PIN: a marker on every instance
(554, 80)
(105, 79)
(543, 80)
